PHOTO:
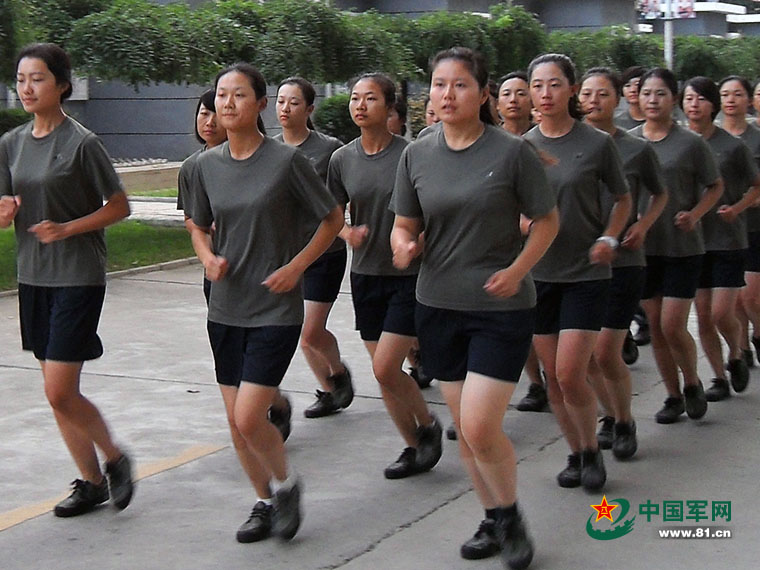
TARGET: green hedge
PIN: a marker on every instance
(333, 118)
(12, 118)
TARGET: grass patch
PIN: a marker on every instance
(130, 244)
(157, 193)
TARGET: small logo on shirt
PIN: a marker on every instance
(579, 155)
(489, 174)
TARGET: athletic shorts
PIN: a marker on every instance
(383, 303)
(259, 355)
(571, 306)
(752, 262)
(723, 269)
(491, 343)
(206, 289)
(675, 277)
(322, 279)
(625, 293)
(61, 323)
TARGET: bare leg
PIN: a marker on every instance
(533, 367)
(708, 333)
(319, 345)
(751, 300)
(596, 380)
(617, 377)
(263, 439)
(674, 321)
(724, 316)
(662, 355)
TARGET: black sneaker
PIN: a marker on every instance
(535, 400)
(756, 345)
(516, 545)
(286, 516)
(748, 357)
(593, 473)
(404, 466)
(422, 379)
(605, 436)
(718, 391)
(429, 444)
(624, 445)
(671, 411)
(342, 387)
(642, 336)
(630, 350)
(324, 406)
(484, 542)
(120, 481)
(85, 496)
(280, 418)
(570, 476)
(695, 401)
(451, 432)
(259, 524)
(739, 372)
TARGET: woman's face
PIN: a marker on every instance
(631, 91)
(734, 99)
(430, 117)
(514, 100)
(291, 107)
(367, 105)
(550, 90)
(656, 99)
(454, 92)
(598, 98)
(236, 104)
(394, 122)
(37, 87)
(696, 107)
(756, 98)
(208, 127)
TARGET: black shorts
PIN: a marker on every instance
(61, 323)
(491, 343)
(722, 269)
(571, 306)
(383, 303)
(206, 289)
(259, 355)
(625, 293)
(675, 277)
(322, 279)
(752, 261)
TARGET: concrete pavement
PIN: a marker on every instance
(155, 387)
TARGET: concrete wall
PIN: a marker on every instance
(416, 8)
(582, 14)
(705, 24)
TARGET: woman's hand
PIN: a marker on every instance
(504, 283)
(216, 268)
(48, 232)
(634, 237)
(356, 236)
(727, 214)
(405, 252)
(9, 206)
(685, 221)
(282, 280)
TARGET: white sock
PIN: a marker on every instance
(267, 502)
(285, 485)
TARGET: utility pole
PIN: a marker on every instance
(668, 35)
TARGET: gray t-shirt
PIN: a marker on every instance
(62, 176)
(470, 202)
(587, 165)
(644, 176)
(318, 148)
(689, 166)
(751, 137)
(257, 205)
(738, 170)
(184, 181)
(365, 182)
(623, 120)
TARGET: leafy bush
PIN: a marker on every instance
(12, 118)
(333, 118)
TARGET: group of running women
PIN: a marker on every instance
(479, 247)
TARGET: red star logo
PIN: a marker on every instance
(604, 510)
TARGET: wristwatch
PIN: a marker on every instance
(609, 240)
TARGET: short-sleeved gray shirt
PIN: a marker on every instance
(587, 165)
(258, 205)
(62, 176)
(184, 182)
(623, 120)
(689, 166)
(751, 137)
(738, 170)
(318, 148)
(365, 182)
(644, 176)
(470, 201)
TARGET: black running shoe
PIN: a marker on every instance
(324, 406)
(85, 496)
(756, 345)
(259, 524)
(593, 473)
(342, 387)
(630, 350)
(739, 372)
(516, 545)
(120, 481)
(695, 401)
(280, 418)
(286, 516)
(748, 357)
(570, 476)
(422, 379)
(404, 466)
(605, 436)
(642, 336)
(451, 432)
(671, 411)
(483, 544)
(429, 444)
(624, 445)
(718, 391)
(535, 400)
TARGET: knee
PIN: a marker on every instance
(575, 390)
(482, 437)
(246, 427)
(385, 371)
(60, 400)
(310, 337)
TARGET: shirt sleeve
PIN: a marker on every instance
(6, 184)
(184, 180)
(202, 215)
(705, 167)
(612, 172)
(334, 180)
(98, 168)
(404, 200)
(307, 187)
(536, 195)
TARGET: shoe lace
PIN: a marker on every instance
(607, 422)
(260, 511)
(409, 454)
(486, 528)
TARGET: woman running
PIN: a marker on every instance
(674, 246)
(599, 96)
(255, 263)
(632, 116)
(361, 174)
(573, 278)
(322, 280)
(54, 178)
(725, 234)
(467, 185)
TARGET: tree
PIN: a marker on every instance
(7, 39)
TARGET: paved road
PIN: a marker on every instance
(155, 386)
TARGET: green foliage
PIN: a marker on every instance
(516, 37)
(333, 118)
(7, 39)
(368, 46)
(52, 20)
(716, 57)
(12, 118)
(416, 114)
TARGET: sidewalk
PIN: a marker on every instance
(160, 211)
(155, 387)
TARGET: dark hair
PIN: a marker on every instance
(57, 62)
(743, 80)
(608, 74)
(258, 83)
(513, 75)
(476, 64)
(632, 73)
(401, 109)
(386, 84)
(705, 87)
(493, 89)
(665, 75)
(307, 91)
(207, 100)
(567, 67)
